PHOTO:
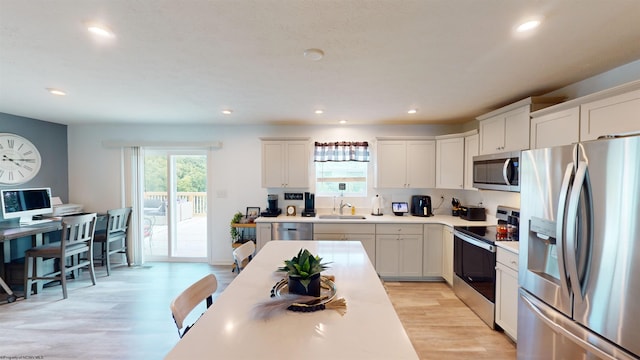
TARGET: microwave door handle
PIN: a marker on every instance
(571, 240)
(561, 229)
(505, 171)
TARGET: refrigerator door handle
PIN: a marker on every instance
(569, 330)
(561, 229)
(571, 240)
(505, 174)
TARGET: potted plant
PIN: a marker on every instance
(304, 273)
(235, 234)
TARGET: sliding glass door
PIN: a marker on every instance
(175, 206)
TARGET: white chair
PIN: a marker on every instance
(242, 253)
(182, 305)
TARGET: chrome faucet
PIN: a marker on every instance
(342, 205)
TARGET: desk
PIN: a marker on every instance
(369, 330)
(37, 232)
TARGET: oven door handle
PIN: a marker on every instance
(478, 243)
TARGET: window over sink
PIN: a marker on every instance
(352, 174)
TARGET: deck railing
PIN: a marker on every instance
(198, 199)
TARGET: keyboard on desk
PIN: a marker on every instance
(35, 222)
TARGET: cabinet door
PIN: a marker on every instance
(470, 150)
(450, 163)
(447, 254)
(391, 164)
(273, 166)
(516, 129)
(297, 169)
(421, 164)
(368, 242)
(507, 299)
(263, 235)
(614, 115)
(411, 255)
(387, 255)
(432, 251)
(492, 135)
(324, 236)
(560, 128)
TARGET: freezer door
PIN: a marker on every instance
(608, 250)
(542, 267)
(547, 334)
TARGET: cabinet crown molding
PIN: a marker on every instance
(288, 138)
(536, 102)
(405, 138)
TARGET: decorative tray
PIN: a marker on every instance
(327, 294)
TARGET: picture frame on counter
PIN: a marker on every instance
(252, 212)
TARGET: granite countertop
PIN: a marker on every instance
(384, 219)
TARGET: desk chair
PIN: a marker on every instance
(182, 305)
(76, 238)
(242, 253)
(114, 239)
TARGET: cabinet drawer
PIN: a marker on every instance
(393, 229)
(507, 258)
(334, 228)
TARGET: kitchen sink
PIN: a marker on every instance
(342, 217)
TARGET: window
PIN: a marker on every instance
(352, 173)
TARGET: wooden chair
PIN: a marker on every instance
(242, 253)
(114, 239)
(182, 305)
(76, 238)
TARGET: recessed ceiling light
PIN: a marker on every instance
(227, 111)
(56, 92)
(313, 54)
(412, 111)
(100, 30)
(528, 25)
(342, 121)
(319, 112)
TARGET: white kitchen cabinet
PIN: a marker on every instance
(285, 164)
(432, 251)
(263, 235)
(613, 115)
(555, 129)
(447, 254)
(405, 164)
(399, 250)
(470, 150)
(450, 163)
(365, 233)
(507, 291)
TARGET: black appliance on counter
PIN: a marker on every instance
(309, 205)
(421, 205)
(272, 206)
(474, 262)
(472, 213)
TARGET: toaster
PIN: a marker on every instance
(473, 213)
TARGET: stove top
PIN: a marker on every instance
(488, 234)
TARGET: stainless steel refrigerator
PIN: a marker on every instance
(579, 271)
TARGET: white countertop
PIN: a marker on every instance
(384, 219)
(370, 329)
(513, 246)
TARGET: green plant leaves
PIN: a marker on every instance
(304, 265)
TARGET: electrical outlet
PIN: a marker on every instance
(441, 197)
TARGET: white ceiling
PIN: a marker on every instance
(184, 61)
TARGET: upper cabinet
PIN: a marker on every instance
(470, 150)
(406, 163)
(554, 129)
(610, 116)
(450, 162)
(507, 129)
(285, 163)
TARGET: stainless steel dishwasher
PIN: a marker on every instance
(292, 231)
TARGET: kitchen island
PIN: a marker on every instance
(370, 328)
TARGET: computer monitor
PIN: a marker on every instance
(25, 203)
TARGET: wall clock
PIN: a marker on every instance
(291, 210)
(19, 159)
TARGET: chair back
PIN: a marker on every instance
(244, 252)
(78, 229)
(118, 221)
(182, 305)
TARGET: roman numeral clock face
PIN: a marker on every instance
(19, 159)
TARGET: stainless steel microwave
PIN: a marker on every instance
(497, 171)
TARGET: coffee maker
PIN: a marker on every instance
(421, 205)
(272, 206)
(309, 205)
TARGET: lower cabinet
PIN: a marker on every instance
(432, 251)
(399, 250)
(507, 291)
(365, 233)
(447, 254)
(263, 235)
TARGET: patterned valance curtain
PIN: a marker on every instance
(341, 151)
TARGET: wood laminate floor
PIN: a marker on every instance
(126, 316)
